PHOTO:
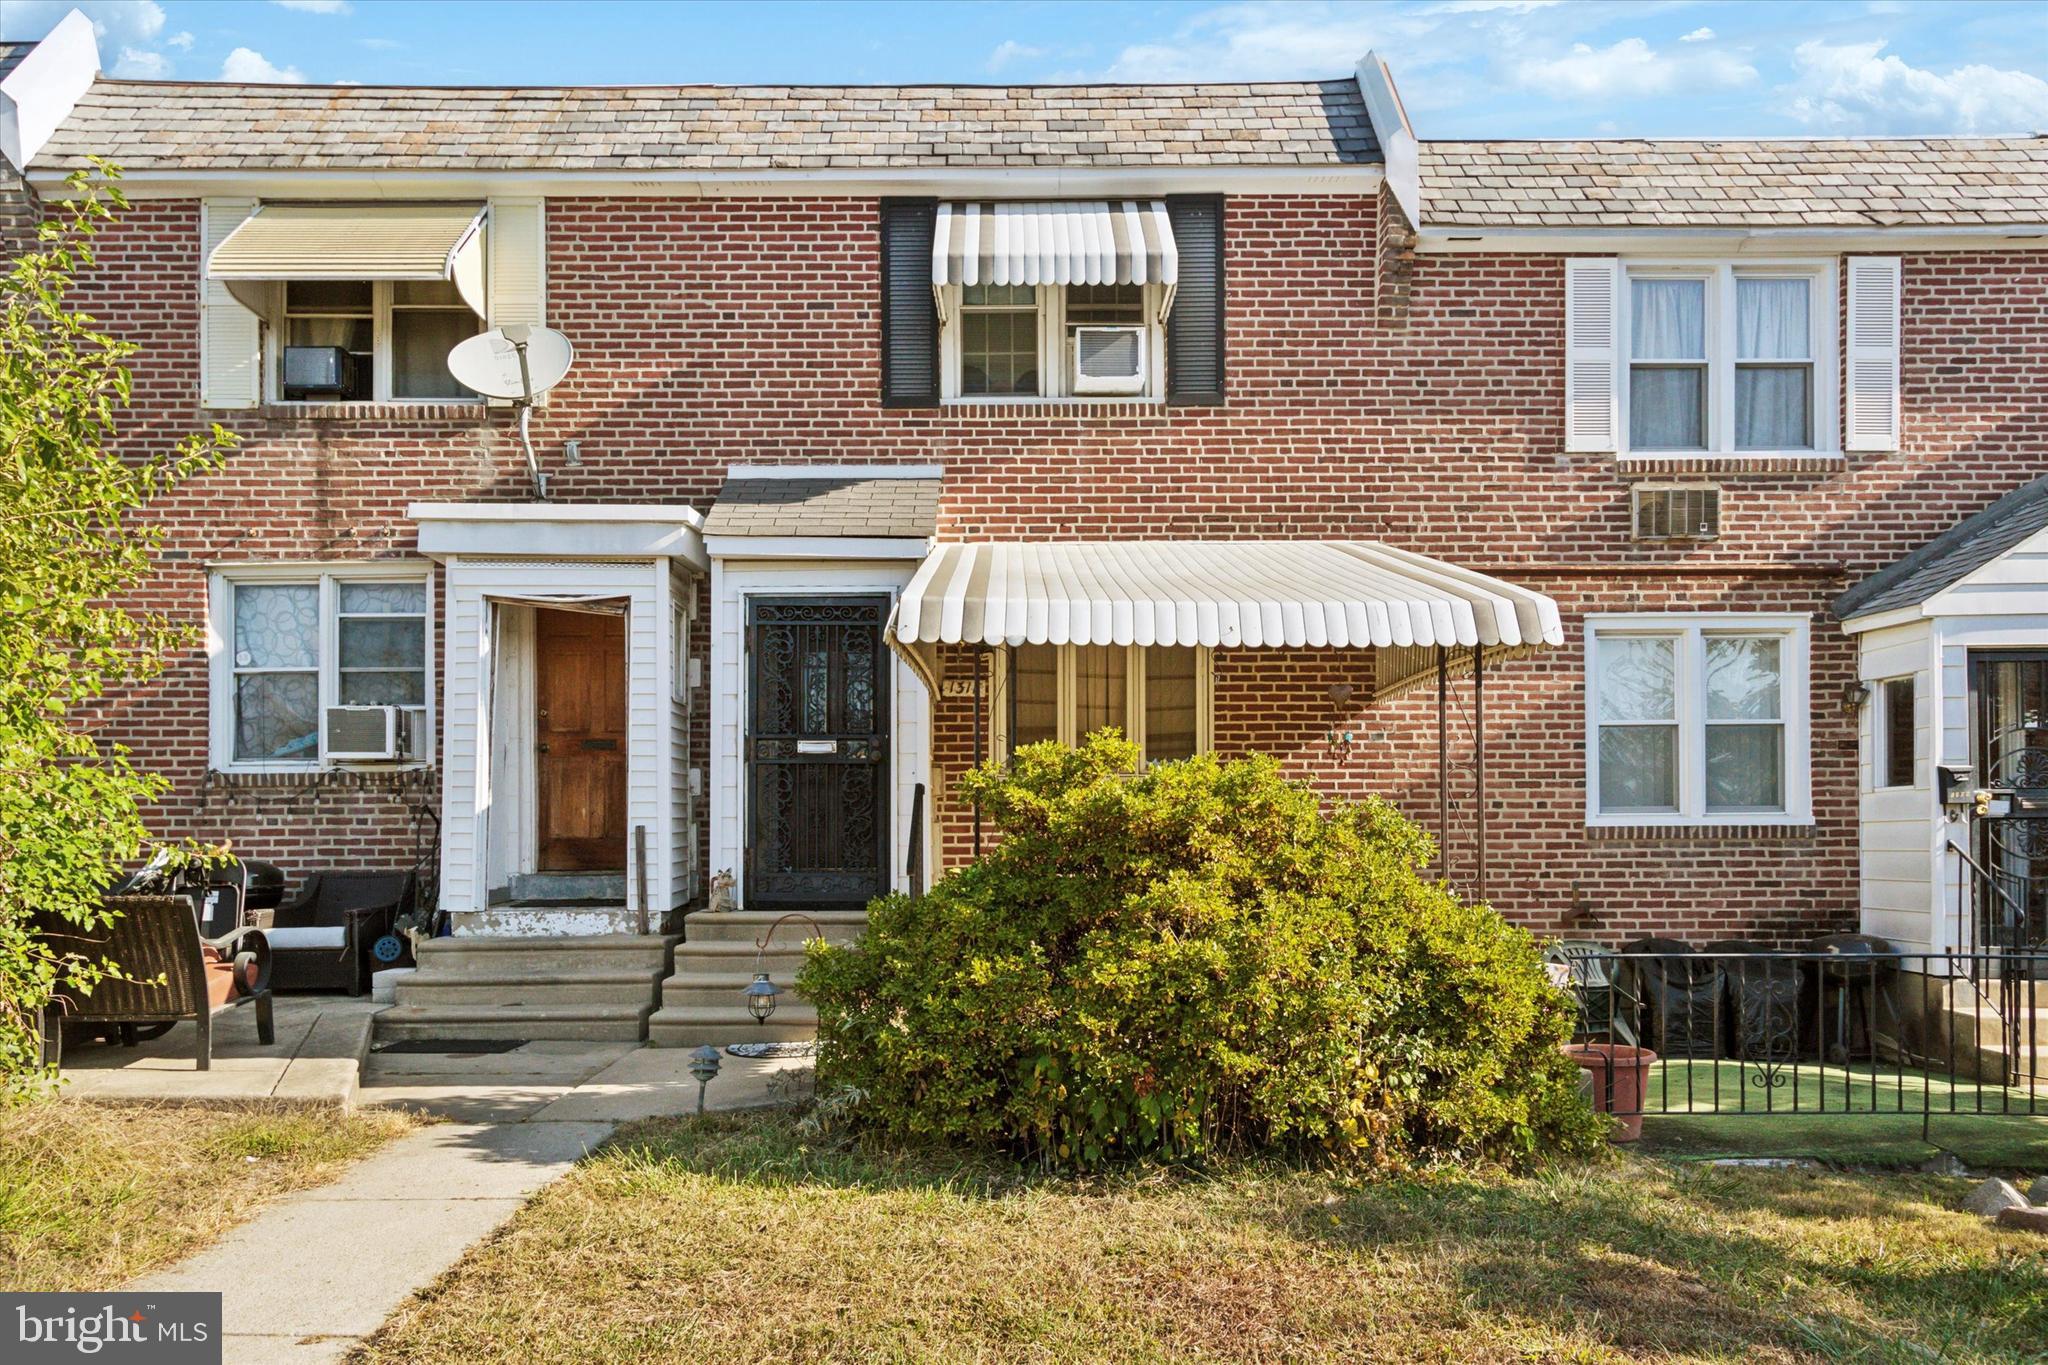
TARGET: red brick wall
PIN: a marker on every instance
(717, 331)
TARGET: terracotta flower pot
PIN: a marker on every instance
(1620, 1076)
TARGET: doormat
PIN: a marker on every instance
(478, 1046)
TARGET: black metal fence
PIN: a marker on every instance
(1664, 1029)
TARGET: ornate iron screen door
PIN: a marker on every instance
(817, 751)
(2012, 760)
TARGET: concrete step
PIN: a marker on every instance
(590, 1022)
(570, 886)
(721, 1026)
(689, 988)
(528, 988)
(566, 953)
(747, 926)
(547, 919)
(738, 958)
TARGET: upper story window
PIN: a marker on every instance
(1736, 359)
(1696, 718)
(1054, 341)
(1021, 302)
(291, 642)
(1726, 358)
(396, 335)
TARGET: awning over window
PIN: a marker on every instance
(1115, 241)
(354, 242)
(1254, 594)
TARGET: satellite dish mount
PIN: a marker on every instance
(518, 362)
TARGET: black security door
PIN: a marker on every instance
(2012, 757)
(817, 751)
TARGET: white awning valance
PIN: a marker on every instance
(354, 242)
(1114, 241)
(1254, 594)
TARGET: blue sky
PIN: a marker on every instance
(1498, 68)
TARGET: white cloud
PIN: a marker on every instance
(1629, 69)
(314, 6)
(181, 41)
(1698, 35)
(1010, 50)
(246, 64)
(133, 23)
(141, 64)
(1856, 88)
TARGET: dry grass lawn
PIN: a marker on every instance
(735, 1238)
(91, 1195)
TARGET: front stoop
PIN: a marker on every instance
(701, 1001)
(595, 987)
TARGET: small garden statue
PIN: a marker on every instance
(721, 892)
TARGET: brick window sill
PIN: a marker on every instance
(418, 414)
(1795, 462)
(352, 779)
(1725, 833)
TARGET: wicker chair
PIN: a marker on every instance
(154, 936)
(320, 939)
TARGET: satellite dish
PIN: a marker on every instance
(515, 362)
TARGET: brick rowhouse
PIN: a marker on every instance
(1372, 393)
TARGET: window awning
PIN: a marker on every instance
(354, 242)
(1252, 594)
(1113, 241)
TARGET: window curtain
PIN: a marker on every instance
(1100, 698)
(1667, 404)
(1772, 401)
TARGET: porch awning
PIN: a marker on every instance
(355, 242)
(1113, 241)
(1267, 594)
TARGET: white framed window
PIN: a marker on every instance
(1895, 728)
(1697, 718)
(398, 333)
(1160, 697)
(290, 641)
(1728, 358)
(1010, 343)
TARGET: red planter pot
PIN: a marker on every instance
(1620, 1078)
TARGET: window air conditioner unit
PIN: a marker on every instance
(375, 734)
(1677, 511)
(1109, 359)
(311, 371)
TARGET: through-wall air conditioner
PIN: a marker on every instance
(375, 734)
(1677, 511)
(1109, 359)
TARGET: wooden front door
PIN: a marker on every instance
(580, 740)
(817, 751)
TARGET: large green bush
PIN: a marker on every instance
(1197, 958)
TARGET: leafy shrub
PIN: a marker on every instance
(1196, 958)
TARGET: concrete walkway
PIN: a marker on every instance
(317, 1058)
(313, 1274)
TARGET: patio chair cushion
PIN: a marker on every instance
(307, 936)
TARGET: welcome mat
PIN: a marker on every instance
(478, 1046)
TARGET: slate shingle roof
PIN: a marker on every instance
(1866, 183)
(11, 55)
(174, 125)
(1952, 556)
(825, 507)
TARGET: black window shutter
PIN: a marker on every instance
(1194, 330)
(910, 317)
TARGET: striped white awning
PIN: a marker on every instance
(1115, 241)
(1255, 594)
(356, 242)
